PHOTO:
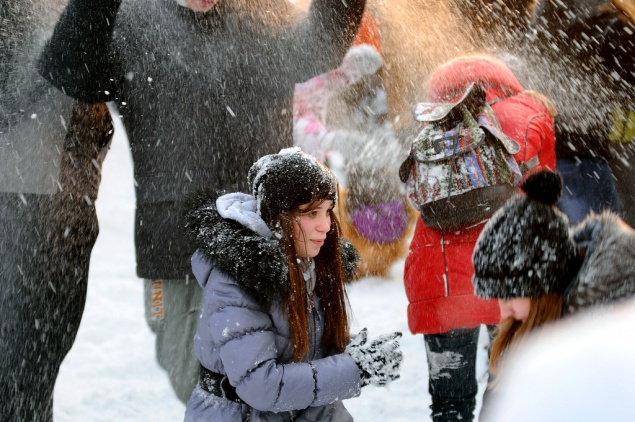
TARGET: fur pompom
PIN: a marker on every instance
(543, 186)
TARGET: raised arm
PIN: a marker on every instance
(319, 43)
(78, 59)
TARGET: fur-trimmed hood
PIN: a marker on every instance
(607, 272)
(244, 250)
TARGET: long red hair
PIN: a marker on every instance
(329, 287)
(511, 332)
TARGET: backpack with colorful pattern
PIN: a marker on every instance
(461, 166)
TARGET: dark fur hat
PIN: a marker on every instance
(526, 250)
(284, 181)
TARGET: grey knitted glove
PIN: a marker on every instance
(378, 361)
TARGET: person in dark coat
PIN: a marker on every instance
(51, 149)
(540, 271)
(273, 338)
(203, 91)
(581, 55)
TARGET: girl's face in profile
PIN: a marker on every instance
(517, 308)
(310, 228)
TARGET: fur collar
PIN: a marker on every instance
(263, 271)
(607, 272)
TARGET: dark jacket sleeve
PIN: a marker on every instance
(609, 37)
(78, 59)
(320, 42)
(618, 48)
(602, 33)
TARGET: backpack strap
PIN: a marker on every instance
(529, 165)
(495, 100)
(404, 168)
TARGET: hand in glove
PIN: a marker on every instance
(364, 59)
(379, 360)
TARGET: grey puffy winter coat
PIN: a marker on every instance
(243, 332)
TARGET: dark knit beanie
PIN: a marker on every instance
(284, 181)
(525, 250)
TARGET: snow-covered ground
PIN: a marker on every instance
(111, 373)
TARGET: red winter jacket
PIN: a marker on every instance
(438, 270)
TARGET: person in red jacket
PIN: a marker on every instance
(438, 270)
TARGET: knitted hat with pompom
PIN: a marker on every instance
(284, 181)
(525, 250)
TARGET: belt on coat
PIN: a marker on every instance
(218, 385)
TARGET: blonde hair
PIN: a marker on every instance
(627, 7)
(551, 109)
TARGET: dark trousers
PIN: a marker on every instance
(45, 246)
(452, 373)
(589, 186)
(42, 297)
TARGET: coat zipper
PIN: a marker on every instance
(313, 334)
(445, 266)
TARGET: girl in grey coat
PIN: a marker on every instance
(273, 338)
